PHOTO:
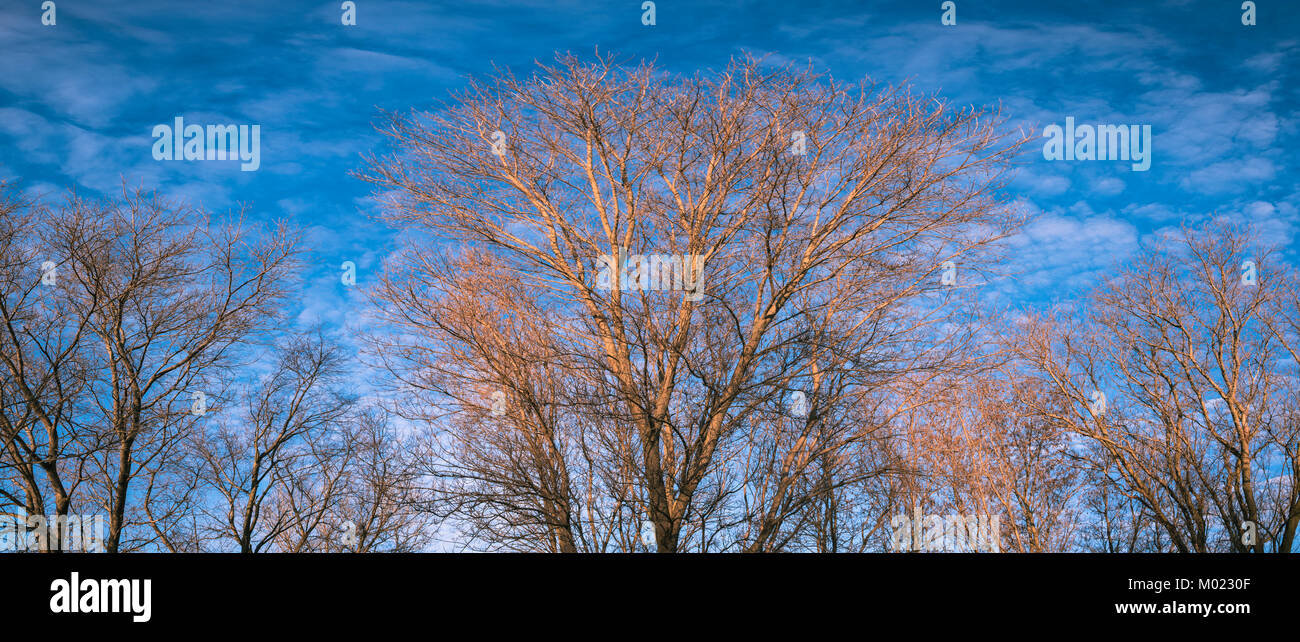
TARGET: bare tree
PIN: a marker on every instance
(979, 449)
(165, 299)
(1182, 380)
(124, 324)
(247, 455)
(45, 443)
(799, 224)
(375, 510)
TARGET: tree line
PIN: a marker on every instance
(843, 363)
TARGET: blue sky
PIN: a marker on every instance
(79, 99)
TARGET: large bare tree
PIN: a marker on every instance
(775, 226)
